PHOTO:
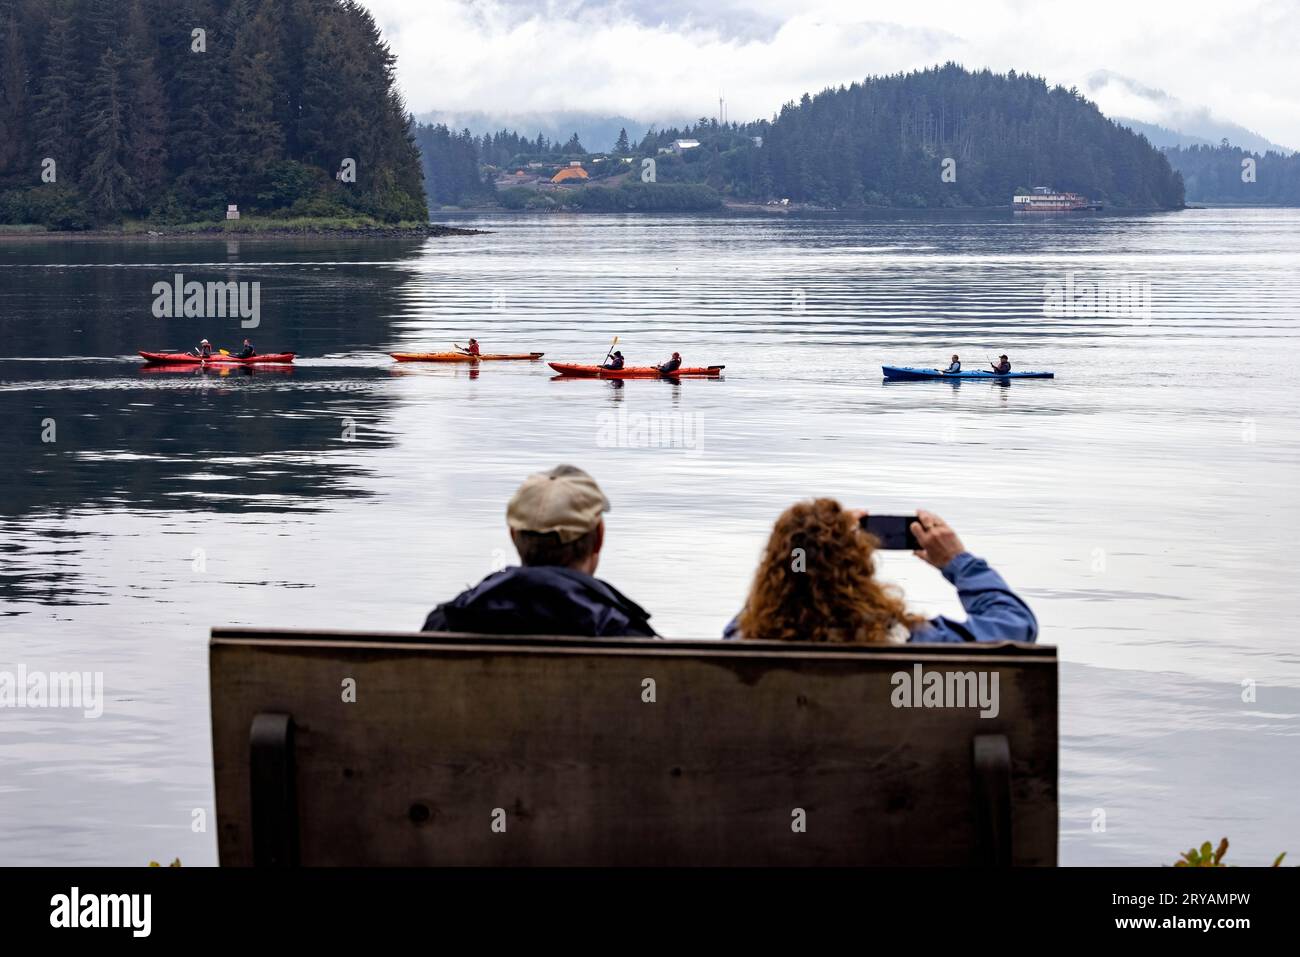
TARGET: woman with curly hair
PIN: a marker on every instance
(817, 582)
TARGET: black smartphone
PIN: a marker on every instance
(893, 531)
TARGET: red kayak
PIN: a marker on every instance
(578, 371)
(185, 358)
(214, 368)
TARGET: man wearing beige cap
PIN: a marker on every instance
(556, 522)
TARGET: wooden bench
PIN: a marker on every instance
(489, 750)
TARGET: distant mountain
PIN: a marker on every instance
(1172, 121)
(596, 132)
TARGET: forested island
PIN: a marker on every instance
(939, 138)
(171, 111)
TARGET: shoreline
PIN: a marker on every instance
(20, 234)
(259, 229)
(761, 210)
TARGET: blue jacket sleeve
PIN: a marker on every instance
(994, 612)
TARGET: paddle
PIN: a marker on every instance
(610, 352)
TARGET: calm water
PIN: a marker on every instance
(1144, 501)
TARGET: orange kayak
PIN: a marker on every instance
(461, 357)
(578, 371)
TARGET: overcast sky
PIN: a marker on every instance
(670, 58)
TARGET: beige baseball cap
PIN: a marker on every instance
(565, 500)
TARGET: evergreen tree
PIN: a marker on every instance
(451, 166)
(195, 109)
(13, 99)
(322, 128)
(146, 148)
(255, 139)
(108, 185)
(55, 119)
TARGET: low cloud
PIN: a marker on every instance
(672, 58)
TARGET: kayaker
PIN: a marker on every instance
(204, 350)
(953, 367)
(836, 597)
(247, 352)
(472, 349)
(673, 364)
(614, 362)
(557, 526)
(1002, 366)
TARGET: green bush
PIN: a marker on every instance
(395, 205)
(287, 182)
(54, 207)
(514, 197)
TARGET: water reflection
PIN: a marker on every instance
(352, 491)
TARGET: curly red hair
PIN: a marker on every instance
(816, 582)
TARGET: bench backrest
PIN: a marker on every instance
(345, 748)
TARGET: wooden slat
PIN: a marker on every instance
(555, 733)
(298, 636)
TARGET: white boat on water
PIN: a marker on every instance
(1044, 199)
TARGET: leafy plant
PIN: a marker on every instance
(1206, 856)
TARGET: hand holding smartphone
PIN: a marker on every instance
(893, 531)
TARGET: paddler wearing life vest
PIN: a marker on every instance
(614, 362)
(247, 352)
(204, 350)
(673, 364)
(1003, 365)
(472, 349)
(954, 367)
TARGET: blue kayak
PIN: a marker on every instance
(906, 374)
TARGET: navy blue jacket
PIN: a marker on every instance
(542, 600)
(994, 612)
